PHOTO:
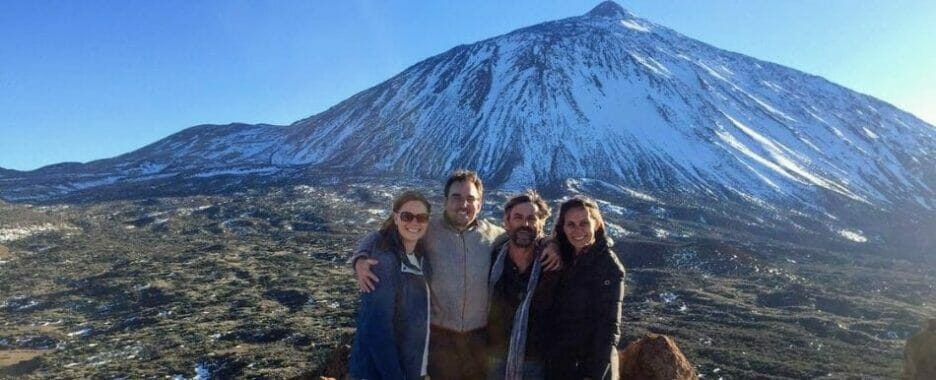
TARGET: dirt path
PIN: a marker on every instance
(11, 357)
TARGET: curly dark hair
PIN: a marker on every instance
(532, 197)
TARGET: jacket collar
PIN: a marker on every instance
(448, 223)
(592, 252)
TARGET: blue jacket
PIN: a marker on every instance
(393, 320)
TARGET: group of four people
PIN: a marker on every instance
(456, 297)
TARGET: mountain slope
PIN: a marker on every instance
(614, 97)
(7, 172)
(605, 97)
(197, 152)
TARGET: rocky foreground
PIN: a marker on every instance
(253, 284)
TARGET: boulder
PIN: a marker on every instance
(920, 354)
(336, 366)
(655, 357)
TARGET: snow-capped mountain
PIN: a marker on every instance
(611, 96)
(605, 96)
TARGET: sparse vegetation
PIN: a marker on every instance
(255, 284)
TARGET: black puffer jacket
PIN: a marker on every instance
(587, 316)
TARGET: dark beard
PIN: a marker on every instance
(522, 237)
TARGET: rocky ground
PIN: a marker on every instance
(253, 284)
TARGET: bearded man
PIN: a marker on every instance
(458, 255)
(521, 290)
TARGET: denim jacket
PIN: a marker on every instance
(393, 320)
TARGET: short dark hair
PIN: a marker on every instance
(532, 197)
(462, 175)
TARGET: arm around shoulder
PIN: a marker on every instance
(366, 246)
(363, 272)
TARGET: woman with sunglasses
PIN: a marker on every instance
(393, 320)
(587, 300)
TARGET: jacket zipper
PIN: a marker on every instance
(425, 358)
(464, 252)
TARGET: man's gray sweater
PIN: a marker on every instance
(458, 264)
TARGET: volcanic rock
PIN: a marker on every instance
(292, 299)
(655, 357)
(22, 368)
(920, 354)
(336, 366)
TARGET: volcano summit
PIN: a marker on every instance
(606, 96)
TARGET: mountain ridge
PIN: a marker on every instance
(605, 96)
(474, 99)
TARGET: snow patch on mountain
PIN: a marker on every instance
(13, 233)
(855, 236)
(634, 25)
(109, 180)
(237, 171)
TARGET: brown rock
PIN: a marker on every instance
(655, 357)
(336, 366)
(920, 354)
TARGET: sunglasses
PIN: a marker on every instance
(407, 217)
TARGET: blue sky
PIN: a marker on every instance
(91, 79)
